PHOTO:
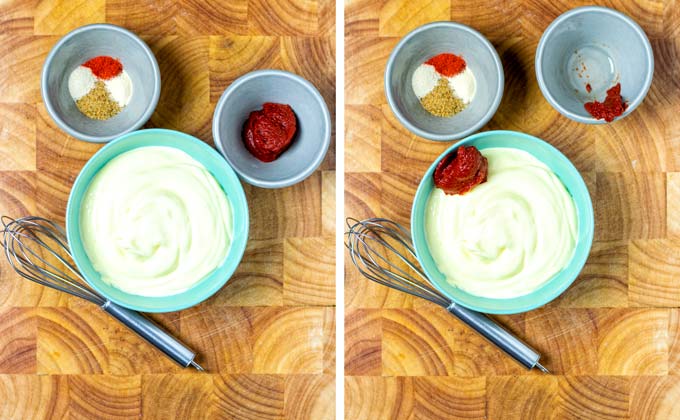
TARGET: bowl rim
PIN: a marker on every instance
(540, 50)
(462, 133)
(421, 248)
(241, 243)
(48, 101)
(325, 115)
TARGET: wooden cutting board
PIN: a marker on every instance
(266, 338)
(613, 338)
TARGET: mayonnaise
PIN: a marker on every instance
(507, 236)
(154, 222)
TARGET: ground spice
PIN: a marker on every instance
(104, 67)
(97, 104)
(441, 102)
(612, 107)
(447, 64)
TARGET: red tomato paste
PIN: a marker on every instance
(461, 171)
(268, 132)
(612, 107)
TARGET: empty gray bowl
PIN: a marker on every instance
(425, 42)
(597, 46)
(87, 42)
(310, 144)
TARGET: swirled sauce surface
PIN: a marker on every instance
(154, 222)
(507, 236)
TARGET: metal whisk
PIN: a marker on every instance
(29, 244)
(372, 242)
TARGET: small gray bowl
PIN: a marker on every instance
(87, 42)
(425, 42)
(310, 144)
(597, 46)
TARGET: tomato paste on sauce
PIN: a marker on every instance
(268, 132)
(612, 107)
(461, 171)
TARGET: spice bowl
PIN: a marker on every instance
(83, 44)
(309, 145)
(585, 52)
(428, 41)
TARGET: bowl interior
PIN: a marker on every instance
(572, 180)
(311, 140)
(595, 46)
(481, 59)
(91, 42)
(224, 175)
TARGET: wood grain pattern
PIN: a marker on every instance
(267, 337)
(607, 397)
(613, 338)
(18, 132)
(33, 396)
(302, 255)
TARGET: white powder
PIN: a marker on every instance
(464, 85)
(80, 82)
(120, 88)
(424, 79)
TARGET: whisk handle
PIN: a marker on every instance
(497, 335)
(152, 333)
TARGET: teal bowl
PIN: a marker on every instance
(572, 180)
(224, 175)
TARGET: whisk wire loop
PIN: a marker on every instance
(24, 241)
(371, 242)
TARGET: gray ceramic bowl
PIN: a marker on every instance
(309, 146)
(427, 41)
(77, 47)
(597, 46)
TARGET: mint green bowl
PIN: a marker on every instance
(572, 180)
(224, 175)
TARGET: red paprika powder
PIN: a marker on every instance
(104, 67)
(447, 64)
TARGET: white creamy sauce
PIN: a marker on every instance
(507, 236)
(154, 222)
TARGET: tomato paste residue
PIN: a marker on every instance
(461, 171)
(588, 88)
(268, 132)
(612, 107)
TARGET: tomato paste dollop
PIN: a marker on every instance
(269, 132)
(612, 107)
(461, 171)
